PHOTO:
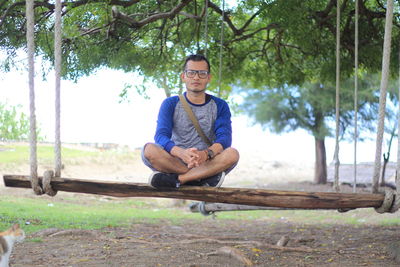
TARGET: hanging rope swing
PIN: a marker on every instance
(246, 196)
(43, 186)
(51, 182)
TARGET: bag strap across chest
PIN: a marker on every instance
(194, 120)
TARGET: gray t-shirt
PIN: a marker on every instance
(174, 126)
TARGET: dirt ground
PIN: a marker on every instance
(212, 241)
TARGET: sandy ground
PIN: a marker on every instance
(210, 241)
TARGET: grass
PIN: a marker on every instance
(42, 213)
(37, 213)
(319, 217)
(20, 153)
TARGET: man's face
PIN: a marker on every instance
(196, 82)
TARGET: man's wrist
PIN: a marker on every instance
(210, 154)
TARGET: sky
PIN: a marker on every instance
(91, 112)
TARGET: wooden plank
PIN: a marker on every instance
(244, 196)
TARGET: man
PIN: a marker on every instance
(180, 156)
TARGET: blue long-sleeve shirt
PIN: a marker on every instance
(174, 127)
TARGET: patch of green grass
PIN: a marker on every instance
(36, 214)
(390, 221)
(20, 153)
(35, 240)
(318, 217)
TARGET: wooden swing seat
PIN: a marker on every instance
(244, 196)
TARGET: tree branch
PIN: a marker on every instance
(226, 18)
(138, 24)
(122, 3)
(161, 36)
(371, 14)
(191, 16)
(249, 21)
(247, 36)
(22, 3)
(235, 30)
(94, 30)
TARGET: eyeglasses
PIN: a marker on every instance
(192, 73)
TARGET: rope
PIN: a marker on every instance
(396, 203)
(336, 156)
(355, 98)
(30, 38)
(398, 140)
(387, 202)
(57, 56)
(382, 97)
(220, 48)
(391, 202)
(202, 209)
(47, 176)
(206, 28)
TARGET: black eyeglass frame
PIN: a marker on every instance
(203, 74)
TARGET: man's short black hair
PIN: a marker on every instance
(197, 57)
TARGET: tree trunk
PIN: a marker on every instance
(320, 175)
(165, 86)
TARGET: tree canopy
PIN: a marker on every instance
(312, 107)
(269, 43)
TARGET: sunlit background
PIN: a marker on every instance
(92, 112)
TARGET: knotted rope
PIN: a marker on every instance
(47, 176)
(396, 203)
(391, 202)
(202, 209)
